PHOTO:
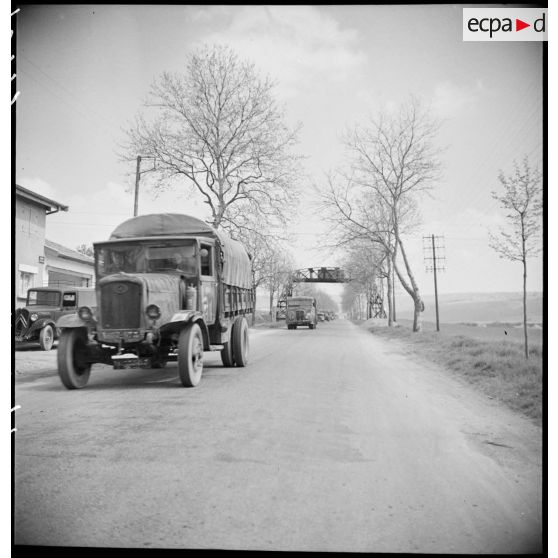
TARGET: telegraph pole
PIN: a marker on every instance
(138, 175)
(435, 267)
(137, 186)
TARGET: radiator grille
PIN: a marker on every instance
(120, 305)
(21, 321)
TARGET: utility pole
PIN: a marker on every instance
(137, 186)
(138, 175)
(435, 266)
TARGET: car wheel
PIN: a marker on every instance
(46, 338)
(73, 368)
(190, 355)
(240, 341)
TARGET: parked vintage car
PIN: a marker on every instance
(301, 311)
(169, 287)
(35, 322)
(321, 317)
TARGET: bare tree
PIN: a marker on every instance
(85, 249)
(279, 269)
(359, 217)
(219, 128)
(394, 158)
(522, 200)
(363, 263)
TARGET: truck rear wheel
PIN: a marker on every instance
(240, 341)
(73, 369)
(46, 338)
(190, 355)
(227, 354)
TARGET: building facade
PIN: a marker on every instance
(31, 211)
(65, 267)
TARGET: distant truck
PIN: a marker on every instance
(301, 311)
(169, 287)
(36, 321)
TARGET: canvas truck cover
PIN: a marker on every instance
(237, 269)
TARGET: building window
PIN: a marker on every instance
(26, 281)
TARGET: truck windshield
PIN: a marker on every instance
(299, 302)
(43, 298)
(175, 256)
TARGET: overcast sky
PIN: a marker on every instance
(84, 70)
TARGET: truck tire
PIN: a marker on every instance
(311, 326)
(190, 355)
(72, 348)
(46, 338)
(240, 341)
(227, 354)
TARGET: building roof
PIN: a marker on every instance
(68, 253)
(51, 205)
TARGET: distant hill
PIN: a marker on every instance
(475, 307)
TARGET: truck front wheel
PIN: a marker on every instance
(240, 341)
(190, 355)
(73, 367)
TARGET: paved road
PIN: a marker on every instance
(328, 441)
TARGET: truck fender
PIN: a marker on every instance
(180, 319)
(73, 320)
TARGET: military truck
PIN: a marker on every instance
(301, 311)
(169, 287)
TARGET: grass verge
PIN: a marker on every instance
(497, 368)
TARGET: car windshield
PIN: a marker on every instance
(177, 256)
(43, 298)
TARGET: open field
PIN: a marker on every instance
(480, 308)
(494, 363)
(504, 331)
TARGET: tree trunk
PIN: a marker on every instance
(417, 315)
(525, 307)
(254, 311)
(271, 304)
(413, 290)
(393, 294)
(389, 279)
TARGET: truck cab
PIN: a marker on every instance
(301, 311)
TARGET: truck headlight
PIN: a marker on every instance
(85, 313)
(33, 317)
(153, 312)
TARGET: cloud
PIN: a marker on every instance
(41, 187)
(450, 99)
(296, 44)
(93, 216)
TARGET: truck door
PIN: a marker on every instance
(208, 283)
